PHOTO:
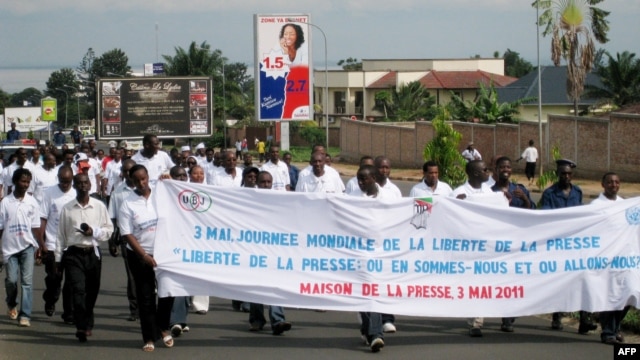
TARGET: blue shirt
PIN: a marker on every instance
(293, 175)
(554, 198)
(13, 135)
(516, 201)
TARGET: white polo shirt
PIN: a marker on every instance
(423, 190)
(17, 218)
(223, 179)
(325, 183)
(53, 200)
(138, 217)
(156, 165)
(280, 174)
(42, 180)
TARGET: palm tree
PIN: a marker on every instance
(620, 80)
(568, 21)
(198, 60)
(486, 107)
(409, 102)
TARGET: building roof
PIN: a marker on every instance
(463, 79)
(447, 80)
(554, 87)
(388, 80)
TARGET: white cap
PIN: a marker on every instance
(200, 146)
(185, 148)
(80, 157)
(113, 144)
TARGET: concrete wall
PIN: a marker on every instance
(597, 145)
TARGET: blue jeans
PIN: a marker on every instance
(371, 326)
(180, 310)
(256, 314)
(20, 263)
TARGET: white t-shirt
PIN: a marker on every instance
(50, 209)
(17, 218)
(156, 165)
(530, 154)
(138, 217)
(42, 180)
(392, 189)
(325, 183)
(603, 199)
(280, 174)
(352, 185)
(423, 190)
(112, 173)
(223, 179)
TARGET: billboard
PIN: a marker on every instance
(284, 86)
(49, 107)
(129, 108)
(26, 118)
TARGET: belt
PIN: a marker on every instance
(80, 249)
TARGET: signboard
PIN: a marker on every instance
(154, 69)
(167, 107)
(49, 107)
(26, 118)
(283, 71)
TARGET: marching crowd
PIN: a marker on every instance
(59, 205)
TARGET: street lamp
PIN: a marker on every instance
(66, 105)
(77, 99)
(539, 86)
(224, 105)
(326, 83)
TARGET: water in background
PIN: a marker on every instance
(14, 80)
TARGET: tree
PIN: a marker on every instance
(5, 98)
(57, 87)
(514, 65)
(114, 61)
(620, 80)
(86, 82)
(197, 60)
(485, 107)
(443, 149)
(30, 96)
(350, 64)
(568, 21)
(409, 102)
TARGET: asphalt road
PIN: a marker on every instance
(223, 334)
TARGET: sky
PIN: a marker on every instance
(52, 35)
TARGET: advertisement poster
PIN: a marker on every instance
(25, 118)
(166, 107)
(49, 109)
(283, 71)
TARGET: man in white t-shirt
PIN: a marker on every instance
(45, 176)
(319, 180)
(530, 156)
(156, 162)
(430, 186)
(352, 184)
(230, 175)
(476, 189)
(383, 168)
(278, 170)
(610, 320)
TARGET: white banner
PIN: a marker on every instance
(397, 256)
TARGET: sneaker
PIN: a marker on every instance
(281, 327)
(13, 313)
(50, 310)
(24, 322)
(185, 329)
(556, 325)
(376, 345)
(388, 328)
(256, 327)
(475, 332)
(176, 330)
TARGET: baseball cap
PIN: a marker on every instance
(80, 157)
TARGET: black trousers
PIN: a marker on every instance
(154, 318)
(82, 269)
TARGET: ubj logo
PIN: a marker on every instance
(197, 201)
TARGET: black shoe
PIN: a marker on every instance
(506, 327)
(281, 327)
(49, 309)
(584, 329)
(475, 332)
(620, 337)
(377, 344)
(132, 318)
(81, 335)
(556, 325)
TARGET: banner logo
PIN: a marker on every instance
(421, 211)
(633, 215)
(196, 201)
